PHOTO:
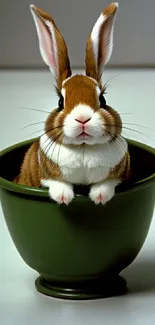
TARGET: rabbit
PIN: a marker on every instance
(82, 143)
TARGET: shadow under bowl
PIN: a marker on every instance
(79, 250)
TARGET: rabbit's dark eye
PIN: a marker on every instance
(102, 101)
(61, 103)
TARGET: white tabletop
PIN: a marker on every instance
(130, 91)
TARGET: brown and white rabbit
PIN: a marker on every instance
(82, 143)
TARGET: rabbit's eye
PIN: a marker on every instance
(102, 101)
(61, 103)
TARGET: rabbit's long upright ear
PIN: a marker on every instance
(52, 45)
(100, 42)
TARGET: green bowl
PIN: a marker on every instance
(79, 250)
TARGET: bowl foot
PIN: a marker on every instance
(114, 286)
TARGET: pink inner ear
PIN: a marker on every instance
(46, 43)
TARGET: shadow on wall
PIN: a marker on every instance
(140, 275)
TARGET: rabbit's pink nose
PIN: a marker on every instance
(82, 120)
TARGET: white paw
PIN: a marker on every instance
(60, 192)
(103, 192)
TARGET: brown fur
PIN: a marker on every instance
(102, 47)
(113, 123)
(91, 68)
(32, 172)
(80, 90)
(110, 10)
(122, 170)
(49, 170)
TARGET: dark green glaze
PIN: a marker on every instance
(101, 288)
(79, 250)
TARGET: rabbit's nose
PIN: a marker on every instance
(82, 120)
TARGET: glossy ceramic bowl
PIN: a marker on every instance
(79, 250)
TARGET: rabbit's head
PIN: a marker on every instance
(83, 115)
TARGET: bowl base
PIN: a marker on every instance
(114, 286)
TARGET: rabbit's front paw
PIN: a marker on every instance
(60, 192)
(103, 192)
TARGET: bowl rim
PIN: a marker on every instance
(43, 192)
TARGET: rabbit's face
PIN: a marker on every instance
(83, 115)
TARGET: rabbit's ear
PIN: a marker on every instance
(100, 42)
(52, 45)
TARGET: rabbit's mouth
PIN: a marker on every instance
(84, 135)
(85, 138)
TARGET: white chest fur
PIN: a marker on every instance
(85, 164)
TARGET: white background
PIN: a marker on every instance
(132, 94)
